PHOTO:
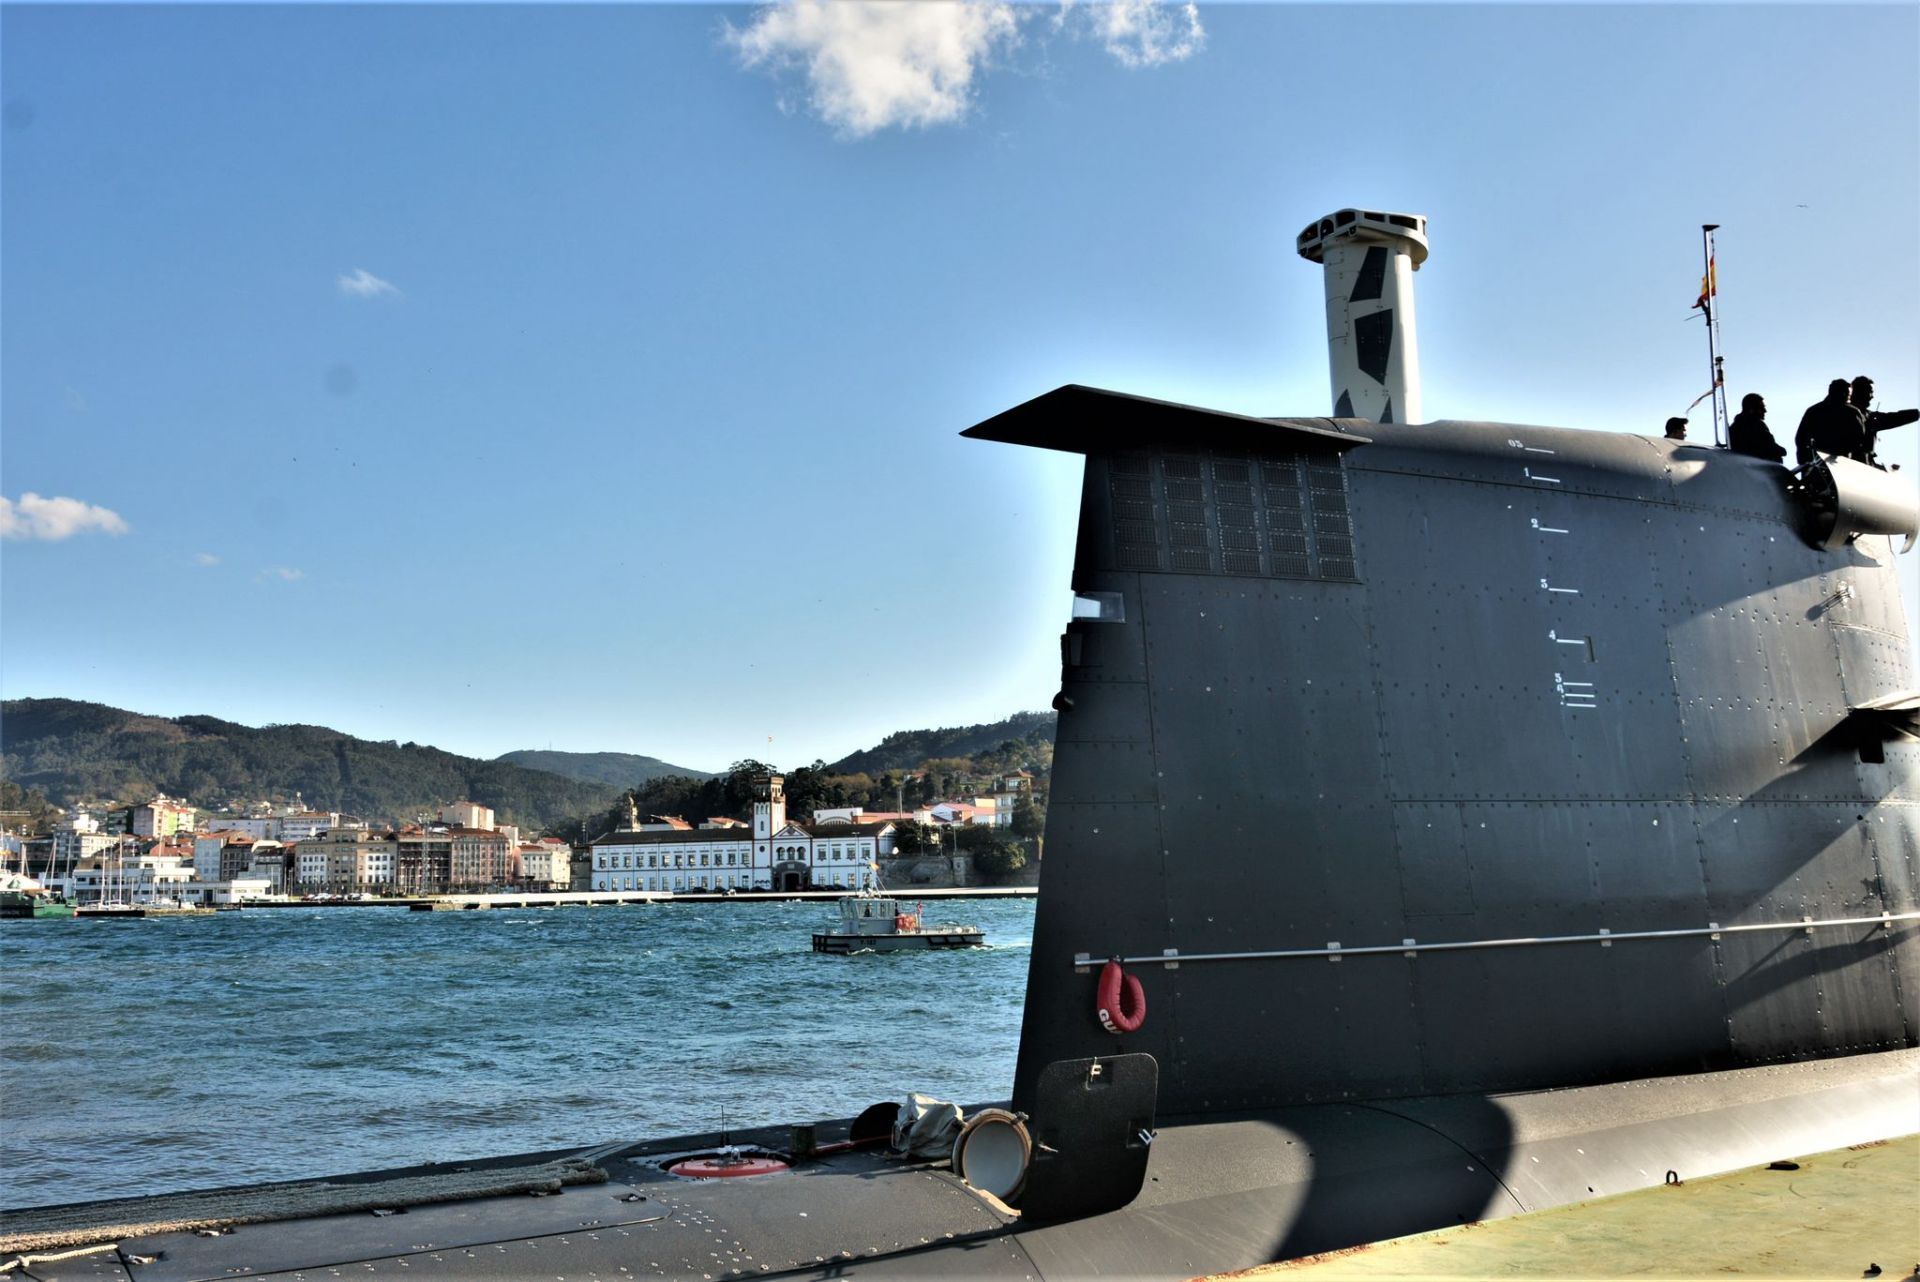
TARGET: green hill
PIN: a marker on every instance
(76, 752)
(906, 749)
(617, 769)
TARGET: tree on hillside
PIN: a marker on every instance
(40, 813)
(999, 857)
(1029, 820)
(912, 839)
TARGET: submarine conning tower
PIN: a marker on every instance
(1369, 258)
(1403, 761)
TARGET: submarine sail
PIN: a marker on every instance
(1405, 760)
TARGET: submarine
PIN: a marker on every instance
(1448, 820)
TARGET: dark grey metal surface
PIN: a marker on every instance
(1222, 1192)
(1568, 682)
(1090, 1154)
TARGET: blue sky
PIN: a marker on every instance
(508, 376)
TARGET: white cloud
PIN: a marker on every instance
(285, 573)
(1146, 33)
(877, 64)
(874, 64)
(364, 284)
(50, 519)
(205, 558)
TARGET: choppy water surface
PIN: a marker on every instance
(155, 1055)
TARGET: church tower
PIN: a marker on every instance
(770, 812)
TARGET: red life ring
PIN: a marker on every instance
(1118, 1013)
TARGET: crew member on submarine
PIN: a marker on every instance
(1749, 434)
(1876, 421)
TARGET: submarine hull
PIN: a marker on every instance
(1461, 759)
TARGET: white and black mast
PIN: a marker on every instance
(1709, 291)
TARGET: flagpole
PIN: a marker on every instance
(1709, 299)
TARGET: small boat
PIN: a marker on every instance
(23, 897)
(876, 924)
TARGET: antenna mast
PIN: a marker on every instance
(1709, 291)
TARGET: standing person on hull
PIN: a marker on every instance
(1831, 426)
(1876, 421)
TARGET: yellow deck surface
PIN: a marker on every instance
(1835, 1217)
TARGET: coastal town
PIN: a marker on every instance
(164, 853)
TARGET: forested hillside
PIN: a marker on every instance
(620, 769)
(907, 769)
(74, 753)
(906, 749)
(86, 752)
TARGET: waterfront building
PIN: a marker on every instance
(346, 860)
(122, 878)
(670, 859)
(478, 858)
(222, 856)
(423, 860)
(273, 868)
(774, 853)
(545, 864)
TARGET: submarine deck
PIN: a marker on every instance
(1838, 1214)
(1223, 1192)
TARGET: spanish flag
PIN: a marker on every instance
(1707, 287)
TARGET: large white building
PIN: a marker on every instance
(291, 824)
(775, 853)
(222, 856)
(546, 864)
(299, 825)
(79, 837)
(132, 879)
(258, 827)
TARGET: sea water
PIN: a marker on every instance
(163, 1054)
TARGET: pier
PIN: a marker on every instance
(618, 898)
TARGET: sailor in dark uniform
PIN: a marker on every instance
(1749, 433)
(1831, 427)
(1876, 421)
